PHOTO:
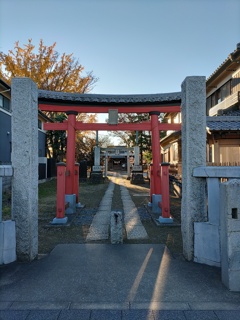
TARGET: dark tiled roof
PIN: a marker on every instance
(227, 123)
(232, 113)
(174, 97)
(227, 60)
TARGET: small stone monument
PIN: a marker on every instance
(137, 171)
(96, 174)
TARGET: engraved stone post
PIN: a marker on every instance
(97, 166)
(24, 99)
(193, 155)
(136, 156)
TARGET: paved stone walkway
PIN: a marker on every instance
(99, 229)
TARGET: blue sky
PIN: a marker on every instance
(132, 46)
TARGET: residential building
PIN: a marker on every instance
(5, 131)
(223, 118)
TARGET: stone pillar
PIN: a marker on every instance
(24, 100)
(136, 156)
(128, 165)
(230, 233)
(97, 166)
(96, 173)
(193, 155)
(106, 164)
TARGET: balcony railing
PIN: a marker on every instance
(225, 104)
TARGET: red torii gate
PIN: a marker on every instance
(71, 125)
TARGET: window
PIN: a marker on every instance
(39, 124)
(1, 101)
(4, 103)
(175, 152)
(219, 95)
(229, 154)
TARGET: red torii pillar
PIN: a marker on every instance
(156, 173)
(71, 143)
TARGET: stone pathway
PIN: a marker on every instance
(99, 229)
(133, 224)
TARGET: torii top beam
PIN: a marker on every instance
(101, 103)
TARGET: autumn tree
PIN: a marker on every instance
(50, 71)
(46, 67)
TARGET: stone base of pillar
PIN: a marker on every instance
(60, 221)
(137, 178)
(96, 177)
(79, 205)
(165, 220)
(156, 198)
(70, 199)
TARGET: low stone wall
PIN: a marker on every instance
(230, 233)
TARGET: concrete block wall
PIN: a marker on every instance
(230, 233)
(206, 234)
(7, 242)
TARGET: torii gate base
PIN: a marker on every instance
(66, 203)
(160, 203)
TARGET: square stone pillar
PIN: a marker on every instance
(96, 166)
(193, 155)
(136, 155)
(230, 233)
(24, 101)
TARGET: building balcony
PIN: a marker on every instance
(225, 104)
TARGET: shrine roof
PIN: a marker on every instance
(105, 99)
(224, 123)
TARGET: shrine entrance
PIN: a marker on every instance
(72, 104)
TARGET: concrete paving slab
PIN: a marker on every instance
(228, 315)
(35, 305)
(105, 206)
(100, 306)
(214, 305)
(43, 315)
(75, 315)
(137, 315)
(132, 221)
(200, 315)
(168, 315)
(14, 314)
(97, 235)
(160, 305)
(106, 314)
(5, 305)
(119, 274)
